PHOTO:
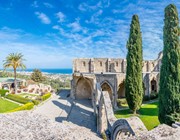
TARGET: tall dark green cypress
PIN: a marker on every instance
(169, 92)
(133, 82)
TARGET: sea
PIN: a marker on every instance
(49, 71)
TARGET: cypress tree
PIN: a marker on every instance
(133, 82)
(169, 92)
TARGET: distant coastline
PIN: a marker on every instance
(48, 71)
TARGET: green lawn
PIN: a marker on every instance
(7, 105)
(148, 114)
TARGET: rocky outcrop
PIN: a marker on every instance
(27, 125)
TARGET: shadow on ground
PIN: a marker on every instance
(80, 112)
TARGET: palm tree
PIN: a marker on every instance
(15, 61)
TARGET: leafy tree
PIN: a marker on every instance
(133, 82)
(37, 76)
(169, 93)
(15, 61)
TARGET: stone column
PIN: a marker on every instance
(149, 84)
(92, 65)
(115, 93)
(108, 65)
(124, 65)
(94, 96)
(73, 90)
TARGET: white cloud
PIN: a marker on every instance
(76, 27)
(35, 52)
(48, 5)
(43, 17)
(60, 16)
(35, 4)
(95, 17)
(36, 56)
(86, 7)
(9, 34)
(105, 37)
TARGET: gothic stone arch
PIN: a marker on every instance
(121, 90)
(83, 89)
(153, 85)
(105, 86)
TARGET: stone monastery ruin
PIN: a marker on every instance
(110, 74)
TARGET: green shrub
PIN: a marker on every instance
(26, 106)
(18, 98)
(21, 99)
(153, 95)
(121, 102)
(3, 92)
(46, 96)
(36, 102)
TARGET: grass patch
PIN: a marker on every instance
(6, 105)
(148, 114)
(3, 92)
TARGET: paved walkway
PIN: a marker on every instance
(62, 108)
(58, 106)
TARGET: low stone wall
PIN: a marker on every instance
(116, 128)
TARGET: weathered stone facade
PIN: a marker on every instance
(110, 74)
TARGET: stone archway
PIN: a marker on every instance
(83, 89)
(106, 87)
(153, 86)
(121, 90)
(6, 86)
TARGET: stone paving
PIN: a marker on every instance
(82, 114)
(61, 108)
(57, 108)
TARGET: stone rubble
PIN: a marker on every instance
(27, 125)
(162, 132)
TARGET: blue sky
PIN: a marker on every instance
(51, 33)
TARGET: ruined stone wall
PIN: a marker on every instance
(112, 65)
(110, 73)
(81, 65)
(99, 65)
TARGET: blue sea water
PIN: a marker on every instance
(49, 71)
(53, 71)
